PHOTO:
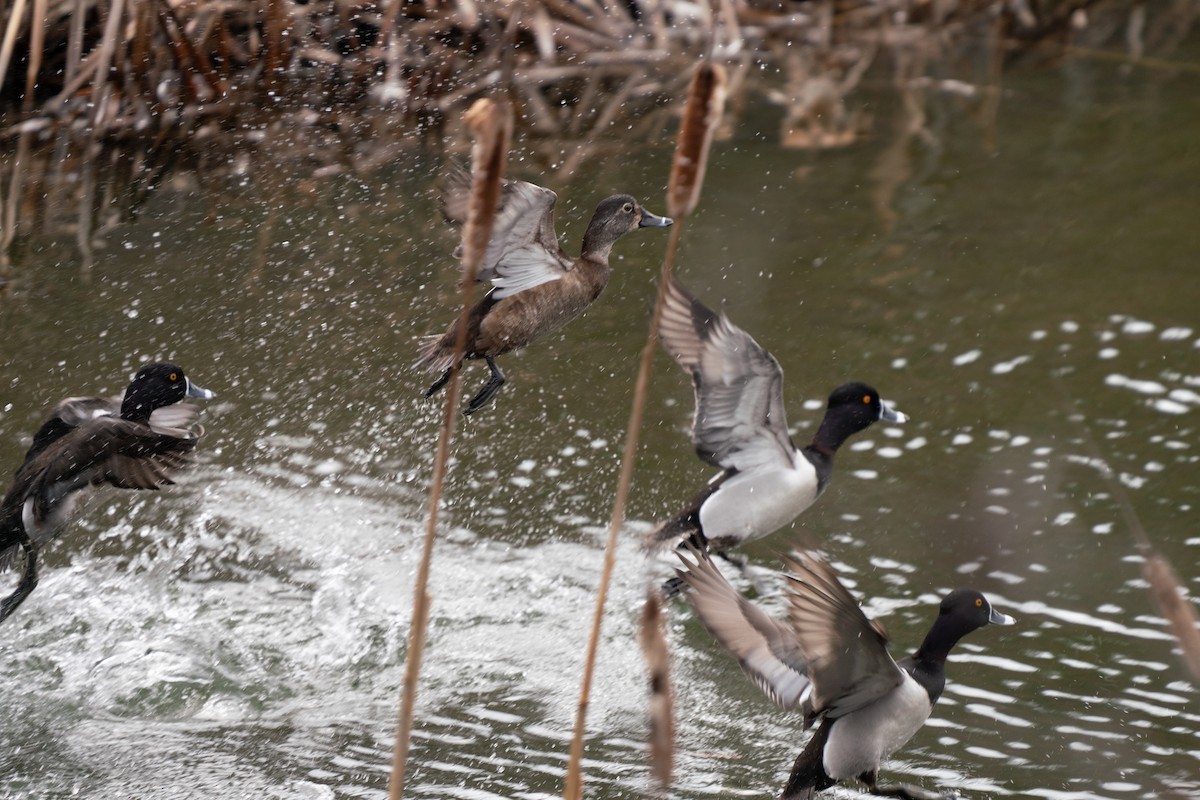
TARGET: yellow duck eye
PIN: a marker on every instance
(866, 399)
(979, 602)
(174, 377)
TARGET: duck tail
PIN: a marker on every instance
(686, 522)
(437, 352)
(808, 773)
(683, 525)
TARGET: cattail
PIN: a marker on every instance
(662, 702)
(706, 98)
(490, 123)
(706, 101)
(1167, 593)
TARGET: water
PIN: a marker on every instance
(242, 634)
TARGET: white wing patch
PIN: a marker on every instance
(525, 267)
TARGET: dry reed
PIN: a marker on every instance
(1167, 592)
(707, 91)
(490, 123)
(662, 702)
(706, 99)
(135, 76)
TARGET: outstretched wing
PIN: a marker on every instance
(767, 650)
(739, 422)
(847, 655)
(523, 251)
(107, 450)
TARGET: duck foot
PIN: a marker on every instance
(439, 383)
(489, 389)
(29, 581)
(673, 587)
(908, 792)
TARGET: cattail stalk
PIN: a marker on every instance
(490, 123)
(1166, 590)
(705, 102)
(653, 638)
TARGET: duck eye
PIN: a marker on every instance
(628, 208)
(866, 399)
(174, 377)
(979, 602)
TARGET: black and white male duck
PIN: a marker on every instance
(130, 442)
(536, 287)
(739, 426)
(832, 662)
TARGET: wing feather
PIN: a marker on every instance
(766, 649)
(849, 663)
(523, 251)
(739, 421)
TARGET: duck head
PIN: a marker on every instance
(615, 217)
(155, 386)
(852, 407)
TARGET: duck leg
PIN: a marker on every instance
(29, 580)
(489, 389)
(439, 383)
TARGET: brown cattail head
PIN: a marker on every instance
(490, 123)
(662, 711)
(706, 101)
(1167, 594)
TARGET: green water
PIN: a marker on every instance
(243, 634)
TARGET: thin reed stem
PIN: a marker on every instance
(10, 38)
(704, 106)
(1165, 588)
(574, 781)
(491, 123)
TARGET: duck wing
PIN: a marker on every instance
(739, 422)
(847, 656)
(70, 413)
(523, 251)
(106, 450)
(766, 649)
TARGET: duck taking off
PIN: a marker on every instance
(536, 287)
(832, 663)
(739, 426)
(130, 442)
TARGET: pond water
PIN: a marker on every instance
(243, 634)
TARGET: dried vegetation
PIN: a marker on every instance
(99, 99)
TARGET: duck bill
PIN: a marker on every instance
(654, 220)
(996, 618)
(199, 393)
(889, 414)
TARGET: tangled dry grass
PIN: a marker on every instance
(114, 93)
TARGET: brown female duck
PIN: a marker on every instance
(536, 287)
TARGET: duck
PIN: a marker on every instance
(133, 441)
(536, 287)
(833, 664)
(739, 426)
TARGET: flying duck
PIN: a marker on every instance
(130, 442)
(536, 287)
(739, 426)
(832, 662)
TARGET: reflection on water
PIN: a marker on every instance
(243, 634)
